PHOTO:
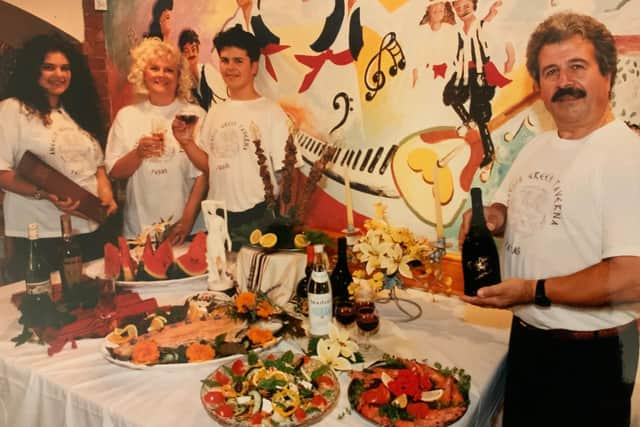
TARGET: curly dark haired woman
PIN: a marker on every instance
(52, 110)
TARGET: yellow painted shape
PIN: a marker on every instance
(392, 5)
(423, 160)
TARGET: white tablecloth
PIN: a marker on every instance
(79, 388)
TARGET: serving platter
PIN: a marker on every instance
(283, 389)
(410, 392)
(200, 331)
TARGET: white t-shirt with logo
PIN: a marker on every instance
(227, 137)
(571, 204)
(160, 187)
(64, 146)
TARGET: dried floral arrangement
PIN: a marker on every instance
(286, 211)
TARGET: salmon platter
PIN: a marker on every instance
(398, 392)
(204, 329)
(282, 389)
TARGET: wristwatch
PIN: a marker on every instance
(541, 298)
(38, 194)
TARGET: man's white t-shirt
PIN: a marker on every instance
(572, 204)
(160, 187)
(228, 138)
(63, 145)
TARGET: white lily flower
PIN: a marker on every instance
(329, 354)
(340, 336)
(396, 260)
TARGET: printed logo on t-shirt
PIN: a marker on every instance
(534, 202)
(76, 149)
(227, 142)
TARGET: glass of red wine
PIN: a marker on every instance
(368, 323)
(345, 313)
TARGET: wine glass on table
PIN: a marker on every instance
(345, 313)
(368, 323)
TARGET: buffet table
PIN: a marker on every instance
(78, 387)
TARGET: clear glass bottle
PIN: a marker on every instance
(70, 257)
(37, 276)
(319, 295)
(480, 259)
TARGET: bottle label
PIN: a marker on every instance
(39, 288)
(319, 276)
(72, 270)
(319, 313)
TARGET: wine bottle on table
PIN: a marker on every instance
(480, 260)
(70, 257)
(319, 295)
(341, 276)
(301, 288)
(37, 277)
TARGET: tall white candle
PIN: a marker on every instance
(347, 199)
(436, 201)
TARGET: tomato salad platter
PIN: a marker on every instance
(280, 389)
(398, 392)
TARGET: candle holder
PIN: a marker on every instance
(402, 303)
(440, 250)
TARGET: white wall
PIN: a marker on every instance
(64, 14)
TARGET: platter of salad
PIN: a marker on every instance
(283, 389)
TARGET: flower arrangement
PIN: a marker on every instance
(252, 306)
(386, 252)
(337, 351)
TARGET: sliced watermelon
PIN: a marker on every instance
(112, 263)
(128, 264)
(154, 264)
(190, 265)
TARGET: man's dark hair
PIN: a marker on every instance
(237, 37)
(81, 98)
(187, 36)
(565, 25)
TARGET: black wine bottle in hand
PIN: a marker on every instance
(480, 260)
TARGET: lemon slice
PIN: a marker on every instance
(122, 335)
(400, 401)
(268, 240)
(254, 237)
(300, 241)
(431, 395)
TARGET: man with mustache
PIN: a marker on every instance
(569, 278)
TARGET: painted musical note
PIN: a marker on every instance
(347, 108)
(375, 81)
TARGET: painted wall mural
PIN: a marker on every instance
(411, 91)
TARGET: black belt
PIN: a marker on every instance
(568, 335)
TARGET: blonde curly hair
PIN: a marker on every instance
(150, 49)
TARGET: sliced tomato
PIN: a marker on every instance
(224, 410)
(318, 401)
(238, 367)
(378, 396)
(418, 409)
(214, 397)
(257, 418)
(324, 381)
(299, 415)
(221, 378)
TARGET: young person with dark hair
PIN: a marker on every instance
(53, 111)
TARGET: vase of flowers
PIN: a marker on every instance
(387, 254)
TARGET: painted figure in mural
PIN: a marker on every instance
(162, 182)
(572, 269)
(160, 25)
(475, 76)
(53, 111)
(439, 21)
(226, 148)
(203, 74)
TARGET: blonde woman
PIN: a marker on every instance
(162, 181)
